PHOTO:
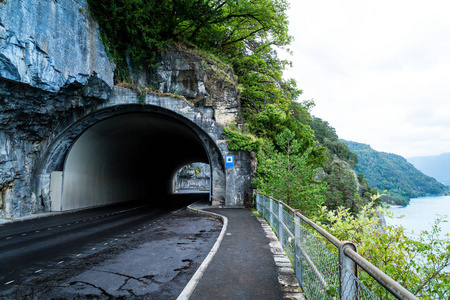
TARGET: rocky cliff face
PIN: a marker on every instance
(54, 70)
(51, 45)
(210, 88)
(52, 65)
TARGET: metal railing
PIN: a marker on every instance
(322, 274)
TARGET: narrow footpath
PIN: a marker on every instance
(243, 267)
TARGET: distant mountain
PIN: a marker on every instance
(435, 166)
(393, 173)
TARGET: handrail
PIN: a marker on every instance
(387, 282)
(332, 239)
(348, 254)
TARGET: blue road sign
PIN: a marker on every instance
(229, 161)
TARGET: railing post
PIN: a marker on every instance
(297, 252)
(258, 206)
(264, 205)
(280, 224)
(348, 271)
(271, 211)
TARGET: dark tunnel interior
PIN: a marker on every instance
(128, 157)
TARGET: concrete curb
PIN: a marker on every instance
(286, 275)
(190, 287)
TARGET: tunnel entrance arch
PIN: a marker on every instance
(126, 152)
(192, 177)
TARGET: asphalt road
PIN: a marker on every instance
(72, 254)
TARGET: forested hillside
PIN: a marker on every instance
(393, 173)
(437, 166)
(345, 187)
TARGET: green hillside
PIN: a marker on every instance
(437, 166)
(393, 173)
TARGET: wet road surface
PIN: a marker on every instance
(121, 252)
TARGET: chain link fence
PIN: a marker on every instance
(321, 273)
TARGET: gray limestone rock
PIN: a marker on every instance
(51, 45)
(200, 81)
(56, 80)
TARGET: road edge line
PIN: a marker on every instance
(192, 284)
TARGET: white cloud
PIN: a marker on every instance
(378, 71)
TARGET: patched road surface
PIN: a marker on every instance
(154, 260)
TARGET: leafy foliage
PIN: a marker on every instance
(287, 175)
(242, 33)
(417, 264)
(274, 120)
(240, 141)
(326, 135)
(393, 173)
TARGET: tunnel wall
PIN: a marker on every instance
(87, 181)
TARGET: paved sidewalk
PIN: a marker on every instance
(244, 266)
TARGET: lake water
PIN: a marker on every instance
(421, 213)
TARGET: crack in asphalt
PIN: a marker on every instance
(103, 291)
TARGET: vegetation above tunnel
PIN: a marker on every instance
(240, 33)
(243, 35)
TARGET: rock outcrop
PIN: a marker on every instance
(54, 71)
(51, 45)
(52, 66)
(210, 88)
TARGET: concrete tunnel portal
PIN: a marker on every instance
(129, 156)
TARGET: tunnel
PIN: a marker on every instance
(127, 156)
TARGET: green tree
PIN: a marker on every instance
(274, 120)
(286, 174)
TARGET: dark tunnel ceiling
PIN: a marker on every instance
(162, 140)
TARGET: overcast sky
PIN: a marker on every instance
(378, 71)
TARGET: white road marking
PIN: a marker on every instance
(38, 271)
(37, 231)
(60, 262)
(8, 237)
(9, 282)
(79, 254)
(24, 234)
(93, 248)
